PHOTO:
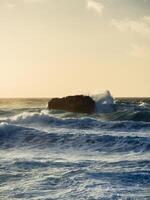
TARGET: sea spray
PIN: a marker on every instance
(61, 155)
(104, 102)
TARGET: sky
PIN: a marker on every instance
(54, 48)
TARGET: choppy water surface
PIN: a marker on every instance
(46, 155)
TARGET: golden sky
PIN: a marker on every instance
(60, 47)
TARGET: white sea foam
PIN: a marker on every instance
(144, 105)
(78, 156)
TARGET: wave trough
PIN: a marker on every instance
(60, 155)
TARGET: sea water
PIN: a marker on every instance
(51, 154)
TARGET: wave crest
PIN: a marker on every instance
(44, 119)
(12, 135)
(104, 102)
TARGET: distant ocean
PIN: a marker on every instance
(52, 154)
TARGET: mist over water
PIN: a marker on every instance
(52, 154)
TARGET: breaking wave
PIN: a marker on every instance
(46, 119)
(12, 136)
(52, 154)
(104, 102)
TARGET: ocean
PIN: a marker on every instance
(52, 154)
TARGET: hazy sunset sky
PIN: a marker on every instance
(59, 47)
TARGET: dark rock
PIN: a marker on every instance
(78, 103)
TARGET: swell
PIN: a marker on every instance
(74, 121)
(130, 115)
(104, 165)
(18, 136)
(107, 108)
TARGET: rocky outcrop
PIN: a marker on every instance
(78, 103)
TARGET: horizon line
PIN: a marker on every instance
(69, 95)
